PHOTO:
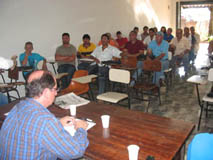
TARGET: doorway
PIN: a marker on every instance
(198, 14)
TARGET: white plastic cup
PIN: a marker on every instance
(106, 132)
(133, 152)
(105, 121)
(73, 110)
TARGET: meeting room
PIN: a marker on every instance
(106, 80)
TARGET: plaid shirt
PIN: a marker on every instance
(30, 131)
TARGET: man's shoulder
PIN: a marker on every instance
(72, 46)
(35, 54)
(21, 54)
(165, 43)
(112, 47)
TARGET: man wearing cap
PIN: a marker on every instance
(159, 49)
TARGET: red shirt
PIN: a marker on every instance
(134, 48)
(122, 42)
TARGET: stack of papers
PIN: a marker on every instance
(71, 130)
(70, 99)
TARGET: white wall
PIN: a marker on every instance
(43, 21)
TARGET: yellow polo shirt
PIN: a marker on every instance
(86, 51)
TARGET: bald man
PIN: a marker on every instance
(30, 131)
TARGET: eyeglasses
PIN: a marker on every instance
(55, 89)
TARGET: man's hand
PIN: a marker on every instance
(65, 121)
(161, 56)
(97, 61)
(81, 124)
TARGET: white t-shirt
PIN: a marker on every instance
(147, 40)
(5, 63)
(107, 54)
(139, 36)
(181, 45)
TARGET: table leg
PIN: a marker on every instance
(198, 95)
(53, 67)
(91, 93)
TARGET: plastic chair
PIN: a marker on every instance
(119, 76)
(76, 87)
(201, 147)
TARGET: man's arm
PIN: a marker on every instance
(24, 62)
(60, 142)
(65, 58)
(125, 53)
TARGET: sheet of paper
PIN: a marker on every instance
(70, 99)
(71, 130)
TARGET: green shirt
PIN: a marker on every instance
(66, 51)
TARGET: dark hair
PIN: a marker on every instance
(151, 29)
(136, 28)
(65, 34)
(86, 36)
(145, 27)
(28, 43)
(105, 35)
(118, 32)
(37, 86)
(169, 29)
(133, 32)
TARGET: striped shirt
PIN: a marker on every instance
(31, 132)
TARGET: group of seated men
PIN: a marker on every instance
(155, 43)
(42, 135)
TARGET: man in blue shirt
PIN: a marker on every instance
(31, 132)
(168, 35)
(30, 59)
(159, 49)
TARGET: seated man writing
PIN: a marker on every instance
(105, 52)
(30, 131)
(84, 51)
(159, 49)
(30, 59)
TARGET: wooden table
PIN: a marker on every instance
(157, 136)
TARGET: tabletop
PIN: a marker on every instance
(197, 79)
(85, 79)
(157, 136)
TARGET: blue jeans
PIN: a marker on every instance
(66, 68)
(3, 99)
(192, 55)
(160, 75)
(92, 69)
(103, 74)
(137, 73)
(183, 59)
